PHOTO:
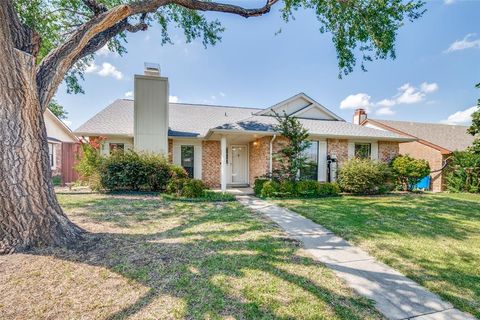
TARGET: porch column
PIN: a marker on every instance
(223, 166)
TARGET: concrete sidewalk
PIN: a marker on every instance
(396, 296)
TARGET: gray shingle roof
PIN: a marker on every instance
(191, 120)
(449, 137)
(186, 120)
(340, 129)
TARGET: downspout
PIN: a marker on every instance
(271, 155)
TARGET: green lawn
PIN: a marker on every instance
(433, 238)
(145, 258)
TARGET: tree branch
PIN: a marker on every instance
(96, 32)
(96, 7)
(226, 8)
(24, 38)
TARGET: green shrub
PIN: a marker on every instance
(463, 172)
(89, 163)
(306, 188)
(270, 189)
(364, 176)
(258, 185)
(186, 187)
(325, 189)
(208, 196)
(409, 171)
(57, 180)
(193, 188)
(287, 189)
(130, 170)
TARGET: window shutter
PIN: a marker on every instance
(351, 150)
(197, 149)
(322, 161)
(374, 151)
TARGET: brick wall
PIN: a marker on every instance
(259, 155)
(433, 156)
(338, 147)
(211, 159)
(170, 150)
(387, 150)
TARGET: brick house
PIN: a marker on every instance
(433, 142)
(62, 148)
(230, 145)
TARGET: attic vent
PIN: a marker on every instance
(152, 69)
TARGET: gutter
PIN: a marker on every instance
(271, 154)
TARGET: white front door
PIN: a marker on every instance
(239, 164)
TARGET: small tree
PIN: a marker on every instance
(409, 171)
(474, 129)
(291, 159)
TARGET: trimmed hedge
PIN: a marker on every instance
(289, 189)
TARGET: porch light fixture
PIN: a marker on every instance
(255, 143)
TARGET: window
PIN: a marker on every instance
(311, 172)
(51, 154)
(363, 150)
(120, 147)
(187, 159)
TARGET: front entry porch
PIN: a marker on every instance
(243, 158)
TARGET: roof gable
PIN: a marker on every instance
(301, 106)
(56, 129)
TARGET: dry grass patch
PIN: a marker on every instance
(149, 259)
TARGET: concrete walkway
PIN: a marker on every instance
(396, 296)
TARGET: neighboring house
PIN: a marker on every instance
(229, 145)
(62, 148)
(434, 142)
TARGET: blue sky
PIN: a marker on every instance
(432, 79)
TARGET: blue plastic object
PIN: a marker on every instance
(424, 184)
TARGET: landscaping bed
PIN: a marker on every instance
(145, 258)
(433, 239)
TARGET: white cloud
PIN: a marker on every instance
(173, 99)
(385, 111)
(460, 117)
(386, 103)
(429, 87)
(222, 94)
(408, 94)
(448, 1)
(354, 101)
(129, 94)
(466, 43)
(108, 70)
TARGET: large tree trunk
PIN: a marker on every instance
(29, 211)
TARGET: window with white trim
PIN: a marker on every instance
(51, 154)
(311, 171)
(363, 150)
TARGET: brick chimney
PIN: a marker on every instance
(359, 116)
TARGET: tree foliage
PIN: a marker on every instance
(362, 30)
(58, 110)
(409, 171)
(463, 173)
(291, 159)
(474, 128)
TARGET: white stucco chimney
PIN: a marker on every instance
(359, 116)
(151, 111)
